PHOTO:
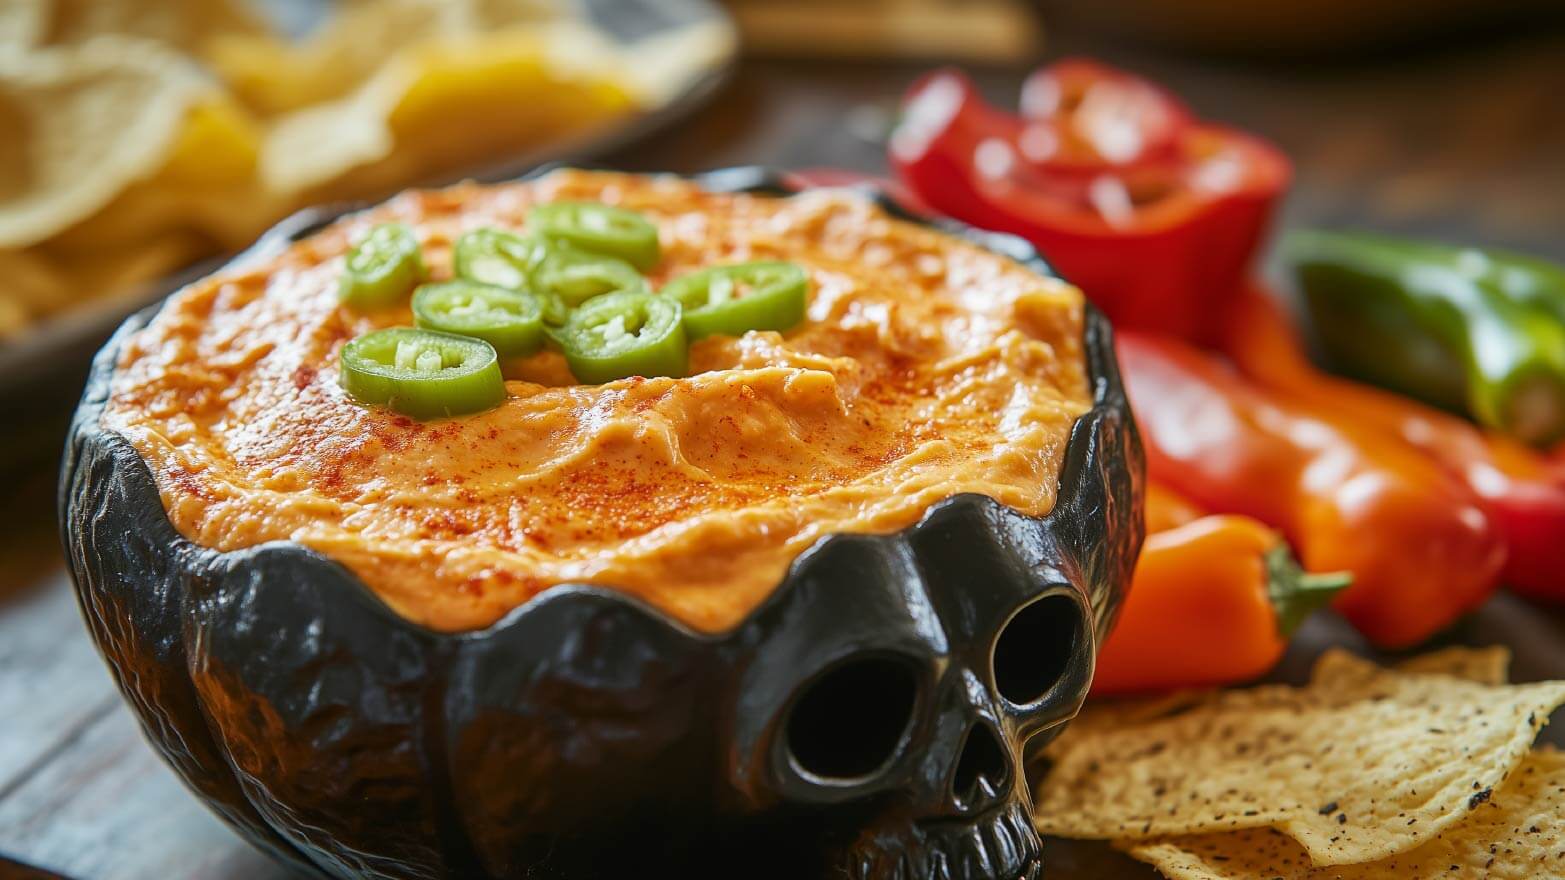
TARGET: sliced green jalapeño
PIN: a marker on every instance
(730, 300)
(494, 256)
(576, 276)
(422, 373)
(601, 229)
(382, 268)
(509, 320)
(625, 334)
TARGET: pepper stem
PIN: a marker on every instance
(1296, 593)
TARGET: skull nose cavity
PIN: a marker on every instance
(848, 723)
(983, 771)
(1038, 647)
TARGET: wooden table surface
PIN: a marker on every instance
(1466, 143)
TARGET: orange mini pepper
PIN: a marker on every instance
(1213, 602)
(1522, 490)
(1349, 497)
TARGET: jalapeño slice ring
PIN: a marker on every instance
(494, 256)
(509, 320)
(382, 268)
(731, 300)
(422, 373)
(576, 276)
(625, 334)
(599, 229)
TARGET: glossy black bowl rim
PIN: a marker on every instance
(1107, 395)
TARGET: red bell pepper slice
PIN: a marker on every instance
(945, 129)
(1084, 118)
(1159, 234)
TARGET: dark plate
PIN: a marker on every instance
(42, 373)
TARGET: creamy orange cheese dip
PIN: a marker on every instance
(927, 368)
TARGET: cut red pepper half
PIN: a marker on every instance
(1156, 217)
(1083, 117)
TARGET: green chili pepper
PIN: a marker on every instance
(1469, 330)
(1528, 280)
(422, 373)
(509, 320)
(382, 268)
(575, 276)
(625, 334)
(747, 296)
(600, 229)
(494, 256)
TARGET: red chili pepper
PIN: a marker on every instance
(1157, 222)
(1349, 497)
(1523, 490)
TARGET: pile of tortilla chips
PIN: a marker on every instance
(142, 134)
(1426, 770)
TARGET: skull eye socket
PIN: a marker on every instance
(1035, 648)
(848, 722)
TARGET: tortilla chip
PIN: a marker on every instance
(275, 76)
(21, 25)
(40, 281)
(1370, 766)
(187, 25)
(412, 90)
(87, 120)
(1491, 665)
(207, 184)
(437, 107)
(1098, 716)
(123, 271)
(1340, 676)
(119, 141)
(1517, 834)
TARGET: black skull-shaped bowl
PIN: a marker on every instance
(869, 720)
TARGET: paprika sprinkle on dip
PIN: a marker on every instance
(883, 367)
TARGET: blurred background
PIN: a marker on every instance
(144, 141)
